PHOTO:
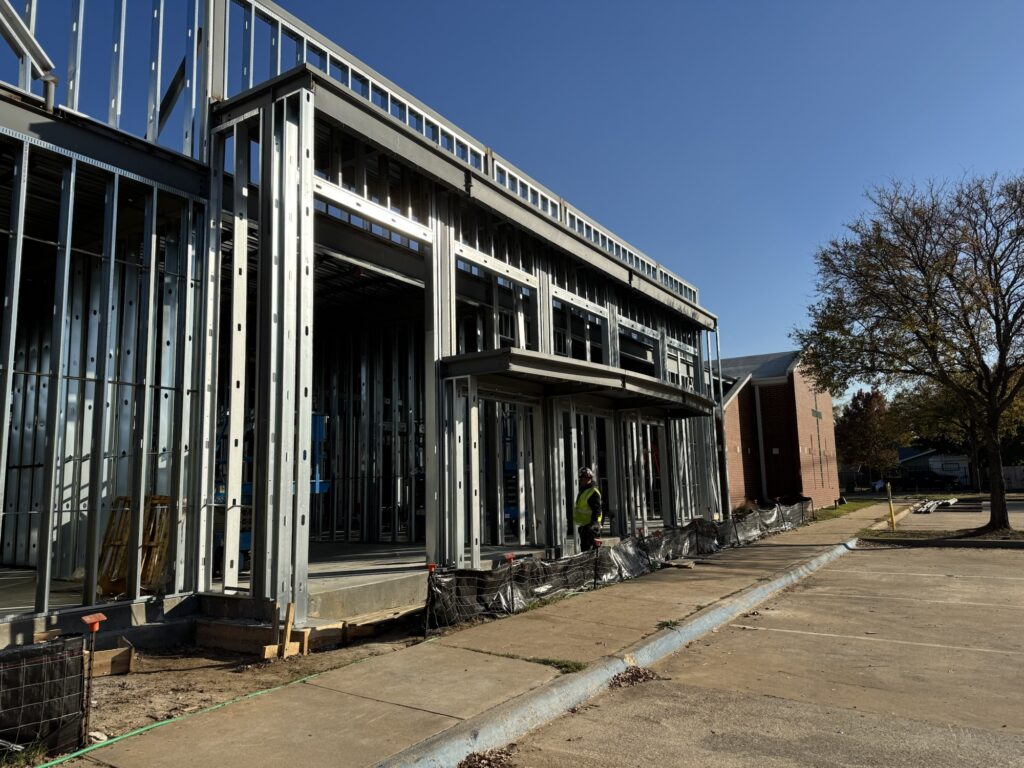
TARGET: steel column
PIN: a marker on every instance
(266, 432)
(287, 266)
(102, 391)
(724, 468)
(192, 56)
(521, 470)
(182, 440)
(12, 292)
(304, 354)
(145, 365)
(50, 504)
(75, 52)
(203, 495)
(234, 446)
(156, 46)
(25, 66)
(475, 511)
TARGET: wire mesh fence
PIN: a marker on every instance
(42, 696)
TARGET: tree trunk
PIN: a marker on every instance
(975, 458)
(999, 516)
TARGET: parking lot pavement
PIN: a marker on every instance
(888, 657)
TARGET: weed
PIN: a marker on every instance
(565, 666)
(34, 754)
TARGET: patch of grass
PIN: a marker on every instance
(668, 624)
(830, 513)
(565, 666)
(34, 754)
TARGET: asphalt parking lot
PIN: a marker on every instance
(887, 657)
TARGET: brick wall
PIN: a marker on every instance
(741, 446)
(780, 446)
(816, 438)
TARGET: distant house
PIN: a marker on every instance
(778, 434)
(927, 468)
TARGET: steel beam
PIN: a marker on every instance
(20, 37)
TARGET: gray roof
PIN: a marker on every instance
(776, 365)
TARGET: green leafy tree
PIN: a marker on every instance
(868, 433)
(929, 287)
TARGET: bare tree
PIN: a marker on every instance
(929, 287)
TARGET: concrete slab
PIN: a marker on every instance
(536, 635)
(944, 685)
(673, 724)
(936, 563)
(298, 725)
(937, 685)
(940, 661)
(640, 612)
(908, 621)
(449, 681)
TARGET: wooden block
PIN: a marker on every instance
(49, 634)
(289, 621)
(324, 637)
(231, 636)
(301, 636)
(273, 651)
(118, 661)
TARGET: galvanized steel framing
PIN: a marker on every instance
(172, 378)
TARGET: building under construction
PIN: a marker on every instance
(275, 329)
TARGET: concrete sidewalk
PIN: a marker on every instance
(367, 712)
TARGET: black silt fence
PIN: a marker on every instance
(458, 596)
(42, 695)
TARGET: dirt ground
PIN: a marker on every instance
(166, 684)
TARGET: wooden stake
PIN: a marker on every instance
(289, 620)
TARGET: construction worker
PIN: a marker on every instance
(588, 511)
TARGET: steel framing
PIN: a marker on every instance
(205, 348)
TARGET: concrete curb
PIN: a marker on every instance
(947, 543)
(507, 722)
(881, 525)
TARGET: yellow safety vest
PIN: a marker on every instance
(582, 512)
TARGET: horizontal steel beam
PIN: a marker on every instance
(100, 146)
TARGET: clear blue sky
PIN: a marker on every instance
(726, 139)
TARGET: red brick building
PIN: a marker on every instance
(779, 437)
